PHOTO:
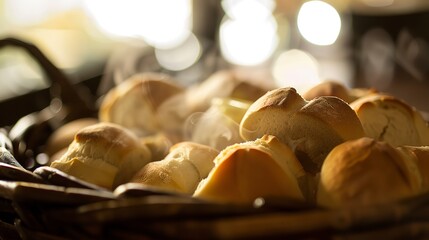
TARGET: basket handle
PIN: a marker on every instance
(30, 132)
(69, 95)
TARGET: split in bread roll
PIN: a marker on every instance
(387, 118)
(218, 127)
(104, 154)
(311, 128)
(61, 138)
(134, 102)
(181, 170)
(363, 172)
(245, 171)
(337, 89)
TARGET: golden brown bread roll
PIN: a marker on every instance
(181, 170)
(245, 171)
(64, 135)
(135, 102)
(310, 128)
(387, 118)
(104, 154)
(365, 172)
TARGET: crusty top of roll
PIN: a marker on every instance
(134, 102)
(310, 128)
(365, 172)
(387, 118)
(261, 168)
(113, 153)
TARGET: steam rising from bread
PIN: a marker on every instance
(218, 127)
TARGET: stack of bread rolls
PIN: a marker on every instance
(333, 146)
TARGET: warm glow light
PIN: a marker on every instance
(181, 57)
(247, 42)
(296, 68)
(161, 23)
(319, 23)
(248, 9)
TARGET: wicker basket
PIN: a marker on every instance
(48, 204)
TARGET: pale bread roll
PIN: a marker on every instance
(387, 118)
(261, 168)
(134, 103)
(181, 170)
(311, 128)
(364, 172)
(104, 154)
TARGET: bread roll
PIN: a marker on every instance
(310, 128)
(390, 119)
(261, 168)
(181, 170)
(363, 172)
(104, 154)
(135, 102)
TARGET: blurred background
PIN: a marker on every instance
(361, 43)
